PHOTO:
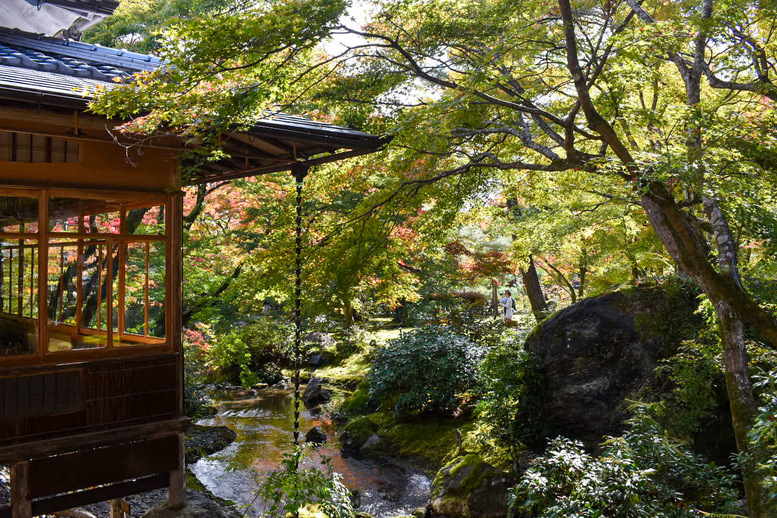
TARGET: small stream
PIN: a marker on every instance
(264, 421)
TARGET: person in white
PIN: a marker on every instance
(508, 305)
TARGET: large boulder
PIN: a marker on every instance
(598, 354)
(468, 487)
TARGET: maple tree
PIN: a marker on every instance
(668, 105)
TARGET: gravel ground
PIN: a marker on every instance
(200, 441)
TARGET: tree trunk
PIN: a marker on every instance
(560, 278)
(734, 308)
(742, 402)
(347, 312)
(531, 282)
(581, 287)
(582, 272)
(494, 298)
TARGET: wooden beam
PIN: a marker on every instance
(21, 505)
(99, 494)
(177, 491)
(45, 448)
(285, 167)
(49, 476)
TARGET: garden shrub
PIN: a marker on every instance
(253, 353)
(763, 435)
(642, 474)
(468, 321)
(269, 340)
(230, 358)
(195, 347)
(424, 371)
(695, 374)
(511, 396)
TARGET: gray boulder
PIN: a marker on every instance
(315, 435)
(598, 354)
(315, 393)
(468, 487)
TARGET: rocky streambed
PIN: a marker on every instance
(263, 421)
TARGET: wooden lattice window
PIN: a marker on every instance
(104, 264)
(106, 273)
(19, 250)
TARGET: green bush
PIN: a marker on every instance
(229, 358)
(467, 320)
(292, 487)
(642, 474)
(763, 435)
(269, 340)
(253, 353)
(424, 371)
(511, 395)
(695, 373)
(195, 358)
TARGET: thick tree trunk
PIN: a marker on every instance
(733, 306)
(741, 401)
(531, 282)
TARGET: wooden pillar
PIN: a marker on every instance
(21, 505)
(177, 493)
(119, 509)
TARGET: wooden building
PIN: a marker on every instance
(91, 368)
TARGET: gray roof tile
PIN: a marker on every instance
(62, 72)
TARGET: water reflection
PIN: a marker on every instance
(263, 421)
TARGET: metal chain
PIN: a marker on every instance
(299, 173)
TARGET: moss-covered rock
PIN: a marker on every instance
(357, 403)
(597, 355)
(468, 487)
(206, 440)
(430, 442)
(357, 433)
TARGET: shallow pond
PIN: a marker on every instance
(263, 421)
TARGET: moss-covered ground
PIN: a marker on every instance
(349, 370)
(432, 442)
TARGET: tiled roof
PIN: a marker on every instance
(61, 73)
(70, 58)
(54, 17)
